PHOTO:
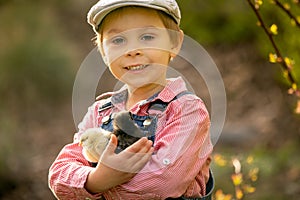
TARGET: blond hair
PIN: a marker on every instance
(166, 19)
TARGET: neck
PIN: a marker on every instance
(138, 94)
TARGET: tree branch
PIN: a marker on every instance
(288, 12)
(280, 58)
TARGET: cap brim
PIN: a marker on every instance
(98, 18)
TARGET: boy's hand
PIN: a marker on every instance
(114, 169)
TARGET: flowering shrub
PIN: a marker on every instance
(242, 180)
(286, 62)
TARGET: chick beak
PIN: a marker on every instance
(80, 143)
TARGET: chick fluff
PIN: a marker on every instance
(94, 140)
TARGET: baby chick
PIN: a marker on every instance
(126, 130)
(94, 140)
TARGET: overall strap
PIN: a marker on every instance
(105, 106)
(155, 105)
(161, 105)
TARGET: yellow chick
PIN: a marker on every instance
(94, 141)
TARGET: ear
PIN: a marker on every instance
(104, 58)
(101, 50)
(176, 49)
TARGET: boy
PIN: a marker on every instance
(137, 39)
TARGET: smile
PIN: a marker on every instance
(136, 67)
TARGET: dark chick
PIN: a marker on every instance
(126, 130)
(95, 140)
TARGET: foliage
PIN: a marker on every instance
(34, 66)
(242, 181)
(217, 22)
(290, 73)
(35, 72)
(222, 23)
(35, 77)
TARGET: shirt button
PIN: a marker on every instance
(166, 161)
(147, 122)
(105, 119)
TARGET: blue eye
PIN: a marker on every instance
(118, 41)
(147, 37)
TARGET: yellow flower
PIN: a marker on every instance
(294, 86)
(221, 196)
(253, 174)
(258, 3)
(248, 189)
(272, 58)
(237, 179)
(293, 22)
(239, 193)
(285, 73)
(258, 23)
(289, 62)
(287, 6)
(274, 29)
(250, 160)
(219, 160)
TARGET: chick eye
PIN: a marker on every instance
(147, 37)
(118, 41)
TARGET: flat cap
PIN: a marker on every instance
(103, 7)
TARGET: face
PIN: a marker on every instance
(136, 47)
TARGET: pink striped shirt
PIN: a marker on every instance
(179, 166)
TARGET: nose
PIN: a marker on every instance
(134, 52)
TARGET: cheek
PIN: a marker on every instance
(159, 56)
(115, 69)
(112, 53)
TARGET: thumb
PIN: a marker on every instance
(112, 144)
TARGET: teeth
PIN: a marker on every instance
(139, 67)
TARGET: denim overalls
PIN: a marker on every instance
(148, 124)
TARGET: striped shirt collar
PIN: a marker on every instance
(174, 87)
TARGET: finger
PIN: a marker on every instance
(137, 157)
(138, 145)
(142, 146)
(136, 160)
(146, 147)
(112, 145)
(114, 139)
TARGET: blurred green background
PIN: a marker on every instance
(42, 44)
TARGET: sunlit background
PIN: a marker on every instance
(43, 43)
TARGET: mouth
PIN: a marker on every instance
(136, 67)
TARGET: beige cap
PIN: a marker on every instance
(103, 7)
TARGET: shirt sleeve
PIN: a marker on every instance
(69, 171)
(179, 165)
(182, 147)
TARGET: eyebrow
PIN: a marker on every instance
(115, 30)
